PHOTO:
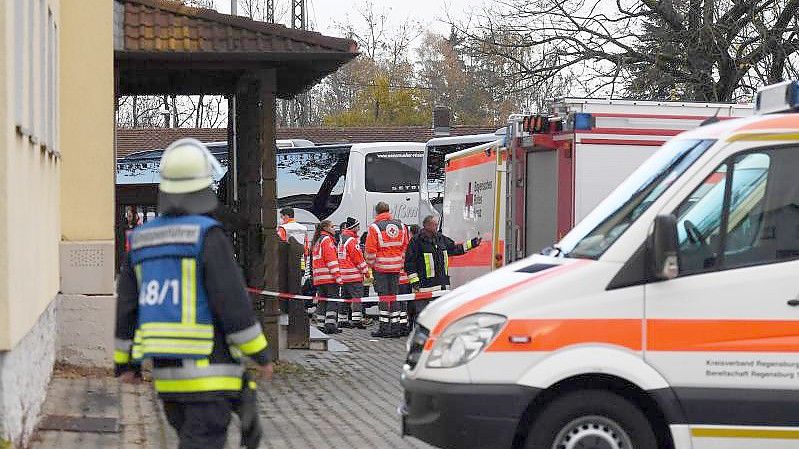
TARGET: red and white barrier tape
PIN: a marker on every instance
(421, 296)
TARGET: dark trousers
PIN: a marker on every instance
(351, 312)
(404, 308)
(388, 284)
(416, 307)
(327, 311)
(200, 425)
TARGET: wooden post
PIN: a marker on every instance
(267, 135)
(290, 255)
(255, 126)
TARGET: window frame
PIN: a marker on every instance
(20, 75)
(31, 75)
(730, 161)
(368, 167)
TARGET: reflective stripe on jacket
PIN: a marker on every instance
(198, 323)
(427, 259)
(174, 319)
(351, 261)
(325, 261)
(386, 242)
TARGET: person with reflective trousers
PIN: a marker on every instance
(404, 289)
(326, 276)
(182, 303)
(353, 271)
(427, 259)
(385, 250)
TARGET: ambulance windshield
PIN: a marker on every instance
(594, 234)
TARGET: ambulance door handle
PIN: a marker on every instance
(793, 302)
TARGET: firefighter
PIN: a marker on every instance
(386, 242)
(427, 259)
(353, 272)
(326, 276)
(404, 289)
(182, 303)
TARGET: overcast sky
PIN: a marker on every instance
(326, 13)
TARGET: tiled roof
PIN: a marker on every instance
(142, 139)
(165, 47)
(171, 27)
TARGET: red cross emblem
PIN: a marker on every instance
(469, 198)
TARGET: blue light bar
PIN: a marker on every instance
(780, 97)
(583, 121)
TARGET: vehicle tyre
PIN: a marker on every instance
(591, 419)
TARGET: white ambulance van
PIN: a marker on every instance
(474, 206)
(667, 318)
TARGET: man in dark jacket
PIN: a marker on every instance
(426, 259)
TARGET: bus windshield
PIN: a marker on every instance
(311, 180)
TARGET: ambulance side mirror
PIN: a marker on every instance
(662, 247)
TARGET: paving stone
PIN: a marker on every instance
(321, 400)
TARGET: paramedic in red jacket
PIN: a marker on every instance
(353, 271)
(326, 275)
(386, 242)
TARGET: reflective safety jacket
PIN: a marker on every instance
(427, 259)
(350, 259)
(403, 275)
(324, 261)
(386, 242)
(182, 303)
(292, 229)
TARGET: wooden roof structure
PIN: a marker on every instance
(164, 46)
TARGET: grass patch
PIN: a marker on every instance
(67, 371)
(289, 369)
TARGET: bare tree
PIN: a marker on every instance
(705, 50)
(257, 10)
(385, 44)
(183, 111)
(385, 41)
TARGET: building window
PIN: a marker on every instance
(44, 68)
(36, 73)
(31, 66)
(52, 85)
(56, 103)
(19, 66)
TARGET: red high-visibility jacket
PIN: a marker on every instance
(386, 242)
(325, 261)
(350, 258)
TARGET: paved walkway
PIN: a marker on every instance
(325, 400)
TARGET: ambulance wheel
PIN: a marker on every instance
(591, 419)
